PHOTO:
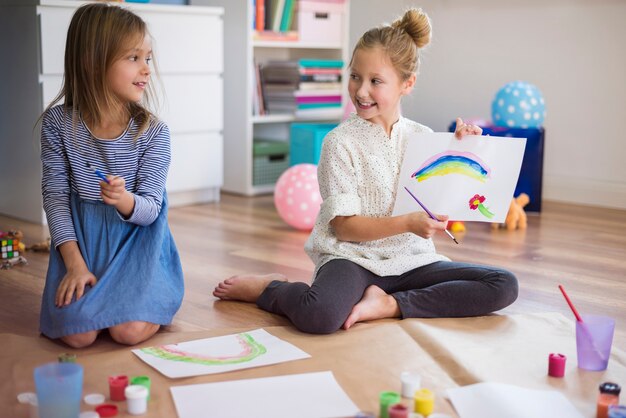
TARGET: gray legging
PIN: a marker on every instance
(441, 289)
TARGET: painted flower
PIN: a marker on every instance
(476, 202)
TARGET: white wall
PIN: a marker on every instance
(572, 50)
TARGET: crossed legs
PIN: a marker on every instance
(344, 293)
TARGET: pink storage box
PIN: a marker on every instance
(321, 22)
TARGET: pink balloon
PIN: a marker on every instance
(297, 196)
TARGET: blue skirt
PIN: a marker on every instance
(139, 274)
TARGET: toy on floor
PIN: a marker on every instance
(516, 217)
(297, 196)
(11, 249)
(456, 226)
(43, 246)
(7, 264)
(10, 245)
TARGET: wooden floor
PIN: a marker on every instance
(581, 247)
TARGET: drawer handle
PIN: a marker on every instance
(321, 15)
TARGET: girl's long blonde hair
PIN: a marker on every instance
(98, 35)
(401, 41)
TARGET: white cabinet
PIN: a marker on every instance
(188, 44)
(242, 52)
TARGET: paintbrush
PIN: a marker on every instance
(98, 173)
(430, 213)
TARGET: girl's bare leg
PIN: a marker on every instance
(246, 288)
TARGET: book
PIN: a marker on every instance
(319, 85)
(331, 113)
(311, 106)
(321, 63)
(309, 71)
(279, 8)
(285, 23)
(260, 15)
(322, 92)
(272, 36)
(259, 87)
(269, 6)
(321, 77)
(318, 99)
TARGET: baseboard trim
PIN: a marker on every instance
(585, 191)
(190, 197)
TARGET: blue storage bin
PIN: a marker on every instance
(306, 142)
(531, 172)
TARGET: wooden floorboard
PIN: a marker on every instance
(584, 248)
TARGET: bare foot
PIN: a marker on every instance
(375, 304)
(246, 288)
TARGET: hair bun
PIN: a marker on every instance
(416, 24)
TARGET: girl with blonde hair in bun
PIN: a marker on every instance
(368, 264)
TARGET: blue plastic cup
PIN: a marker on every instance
(59, 389)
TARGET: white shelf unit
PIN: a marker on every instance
(188, 44)
(241, 52)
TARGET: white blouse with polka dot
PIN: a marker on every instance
(358, 175)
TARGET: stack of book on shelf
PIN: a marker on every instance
(273, 20)
(319, 92)
(276, 83)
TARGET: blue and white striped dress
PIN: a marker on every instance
(135, 260)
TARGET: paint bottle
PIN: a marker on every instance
(117, 384)
(398, 411)
(609, 395)
(136, 399)
(424, 402)
(617, 411)
(410, 383)
(556, 365)
(386, 400)
(142, 381)
(67, 358)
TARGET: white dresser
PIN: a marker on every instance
(188, 45)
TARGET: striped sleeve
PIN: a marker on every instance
(151, 176)
(55, 182)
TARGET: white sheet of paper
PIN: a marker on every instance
(497, 400)
(220, 354)
(314, 395)
(445, 174)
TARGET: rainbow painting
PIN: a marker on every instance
(251, 349)
(219, 354)
(453, 162)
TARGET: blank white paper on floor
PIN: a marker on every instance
(308, 395)
(498, 400)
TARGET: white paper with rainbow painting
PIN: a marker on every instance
(220, 354)
(472, 179)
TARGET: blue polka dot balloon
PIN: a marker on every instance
(518, 105)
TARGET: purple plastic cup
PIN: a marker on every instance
(594, 337)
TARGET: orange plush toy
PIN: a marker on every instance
(456, 226)
(516, 217)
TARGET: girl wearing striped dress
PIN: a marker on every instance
(113, 262)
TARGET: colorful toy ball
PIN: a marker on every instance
(518, 105)
(297, 196)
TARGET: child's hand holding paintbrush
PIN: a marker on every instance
(113, 192)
